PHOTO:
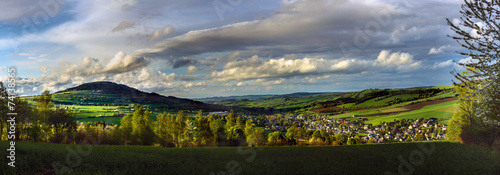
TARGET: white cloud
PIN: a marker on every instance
(241, 84)
(397, 58)
(199, 84)
(191, 69)
(438, 50)
(266, 82)
(444, 64)
(33, 56)
(254, 68)
(456, 21)
(474, 33)
(161, 33)
(467, 60)
(124, 63)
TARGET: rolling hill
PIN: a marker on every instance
(108, 93)
(338, 103)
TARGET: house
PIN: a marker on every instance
(219, 113)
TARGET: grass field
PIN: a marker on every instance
(446, 158)
(443, 111)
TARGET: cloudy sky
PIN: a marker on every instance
(203, 48)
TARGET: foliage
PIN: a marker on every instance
(483, 48)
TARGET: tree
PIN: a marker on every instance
(142, 132)
(371, 140)
(275, 139)
(258, 138)
(203, 133)
(4, 97)
(483, 48)
(63, 122)
(44, 104)
(126, 128)
(217, 128)
(291, 134)
(249, 133)
(239, 122)
(419, 137)
(341, 138)
(230, 120)
(162, 125)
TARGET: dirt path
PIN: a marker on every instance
(412, 107)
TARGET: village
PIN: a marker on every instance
(404, 130)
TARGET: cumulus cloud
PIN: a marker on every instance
(122, 26)
(254, 68)
(444, 64)
(124, 63)
(397, 58)
(277, 69)
(438, 50)
(241, 84)
(157, 34)
(403, 62)
(199, 84)
(267, 82)
(191, 69)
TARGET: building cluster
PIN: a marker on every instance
(396, 131)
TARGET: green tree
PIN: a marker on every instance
(4, 97)
(341, 138)
(230, 120)
(292, 134)
(371, 140)
(239, 122)
(162, 130)
(483, 71)
(217, 127)
(203, 133)
(419, 137)
(275, 139)
(236, 136)
(62, 121)
(126, 128)
(142, 132)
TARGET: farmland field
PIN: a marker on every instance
(442, 111)
(446, 158)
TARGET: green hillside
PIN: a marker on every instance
(112, 94)
(337, 103)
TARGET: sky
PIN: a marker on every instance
(206, 48)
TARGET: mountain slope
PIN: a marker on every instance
(109, 93)
(333, 103)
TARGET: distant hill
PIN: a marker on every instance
(335, 102)
(263, 97)
(109, 93)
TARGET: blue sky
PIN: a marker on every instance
(198, 48)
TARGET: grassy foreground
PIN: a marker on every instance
(446, 158)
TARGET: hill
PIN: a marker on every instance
(262, 97)
(104, 93)
(370, 105)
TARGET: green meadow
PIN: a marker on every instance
(442, 111)
(428, 158)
